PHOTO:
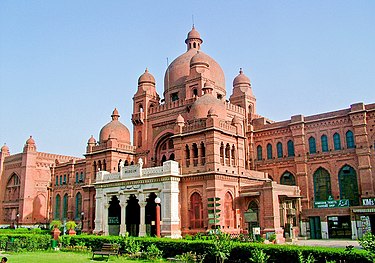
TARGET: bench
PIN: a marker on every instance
(107, 249)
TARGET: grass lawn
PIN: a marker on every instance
(62, 257)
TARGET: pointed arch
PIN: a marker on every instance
(57, 206)
(196, 211)
(287, 178)
(290, 145)
(269, 151)
(279, 147)
(324, 142)
(350, 139)
(349, 185)
(312, 145)
(222, 153)
(336, 141)
(228, 210)
(203, 154)
(322, 184)
(78, 206)
(65, 207)
(259, 153)
(12, 192)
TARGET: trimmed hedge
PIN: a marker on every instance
(27, 242)
(240, 252)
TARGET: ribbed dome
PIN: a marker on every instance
(5, 149)
(30, 140)
(115, 129)
(205, 105)
(146, 78)
(241, 79)
(179, 70)
(91, 140)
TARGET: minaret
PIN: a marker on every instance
(4, 153)
(193, 40)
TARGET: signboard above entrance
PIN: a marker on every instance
(368, 201)
(332, 203)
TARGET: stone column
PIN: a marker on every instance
(123, 214)
(142, 226)
(105, 218)
(98, 211)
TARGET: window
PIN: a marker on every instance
(349, 140)
(195, 92)
(203, 154)
(290, 148)
(279, 147)
(187, 155)
(174, 96)
(349, 185)
(61, 180)
(324, 141)
(195, 154)
(77, 179)
(82, 178)
(57, 206)
(227, 154)
(57, 180)
(64, 182)
(312, 145)
(287, 179)
(322, 185)
(233, 154)
(336, 141)
(78, 209)
(259, 153)
(65, 207)
(196, 211)
(222, 153)
(269, 151)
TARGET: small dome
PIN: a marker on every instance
(115, 129)
(30, 140)
(199, 59)
(5, 149)
(146, 78)
(212, 112)
(180, 119)
(202, 107)
(241, 79)
(91, 140)
(193, 34)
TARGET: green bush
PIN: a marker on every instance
(368, 242)
(153, 253)
(25, 242)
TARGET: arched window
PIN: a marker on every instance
(195, 92)
(336, 141)
(78, 209)
(119, 165)
(259, 153)
(77, 179)
(228, 211)
(139, 139)
(312, 145)
(140, 108)
(233, 154)
(95, 168)
(322, 185)
(57, 206)
(99, 165)
(61, 180)
(82, 178)
(163, 159)
(196, 211)
(269, 151)
(64, 182)
(171, 157)
(203, 154)
(349, 140)
(12, 192)
(324, 141)
(349, 185)
(126, 163)
(104, 165)
(290, 148)
(222, 153)
(279, 147)
(253, 209)
(57, 180)
(65, 207)
(227, 154)
(187, 155)
(287, 179)
(195, 154)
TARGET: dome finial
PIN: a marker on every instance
(241, 71)
(146, 70)
(115, 114)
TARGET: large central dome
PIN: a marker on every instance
(179, 69)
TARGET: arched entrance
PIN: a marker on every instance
(252, 218)
(132, 216)
(114, 216)
(150, 219)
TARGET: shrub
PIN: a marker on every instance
(368, 242)
(55, 224)
(259, 256)
(25, 242)
(70, 225)
(153, 253)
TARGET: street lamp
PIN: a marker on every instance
(18, 218)
(157, 223)
(82, 218)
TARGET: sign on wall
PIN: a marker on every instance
(368, 201)
(332, 203)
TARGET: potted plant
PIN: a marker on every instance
(71, 225)
(55, 226)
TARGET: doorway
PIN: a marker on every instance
(315, 227)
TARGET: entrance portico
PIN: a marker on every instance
(125, 201)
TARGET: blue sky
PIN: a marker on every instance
(65, 65)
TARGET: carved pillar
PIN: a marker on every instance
(105, 218)
(123, 214)
(99, 211)
(142, 226)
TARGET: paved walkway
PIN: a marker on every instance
(327, 243)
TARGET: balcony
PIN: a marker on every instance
(138, 118)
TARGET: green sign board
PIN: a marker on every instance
(113, 220)
(332, 203)
(368, 201)
(251, 217)
(213, 199)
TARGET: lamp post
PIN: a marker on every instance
(157, 219)
(82, 218)
(18, 218)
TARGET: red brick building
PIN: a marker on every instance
(310, 175)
